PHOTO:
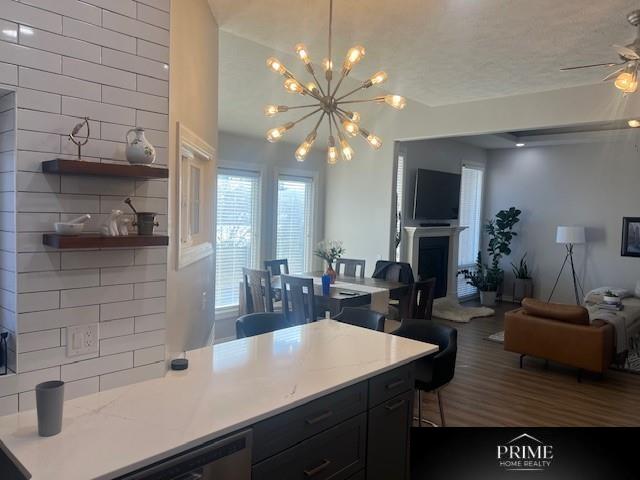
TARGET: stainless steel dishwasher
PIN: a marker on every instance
(228, 458)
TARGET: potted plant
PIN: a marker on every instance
(523, 283)
(610, 297)
(500, 233)
(486, 279)
(329, 251)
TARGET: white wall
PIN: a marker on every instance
(444, 155)
(106, 60)
(593, 185)
(365, 183)
(194, 103)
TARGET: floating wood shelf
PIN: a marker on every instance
(80, 167)
(99, 241)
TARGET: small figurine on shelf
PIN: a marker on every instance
(110, 227)
(78, 142)
(123, 225)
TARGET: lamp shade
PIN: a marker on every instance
(571, 235)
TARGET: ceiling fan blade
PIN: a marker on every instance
(612, 75)
(610, 64)
(626, 52)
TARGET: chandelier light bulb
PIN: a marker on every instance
(313, 88)
(275, 65)
(374, 141)
(276, 133)
(627, 82)
(327, 64)
(634, 123)
(292, 86)
(332, 151)
(305, 146)
(396, 101)
(350, 128)
(347, 151)
(378, 78)
(272, 110)
(354, 116)
(302, 52)
(354, 55)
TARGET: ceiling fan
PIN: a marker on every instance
(626, 77)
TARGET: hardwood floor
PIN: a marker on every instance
(489, 389)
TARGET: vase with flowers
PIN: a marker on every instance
(329, 251)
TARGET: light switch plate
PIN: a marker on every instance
(82, 339)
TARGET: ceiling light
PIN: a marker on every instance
(328, 103)
(634, 123)
(519, 145)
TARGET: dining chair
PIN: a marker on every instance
(350, 267)
(277, 267)
(421, 303)
(298, 299)
(259, 323)
(361, 317)
(434, 372)
(399, 272)
(258, 294)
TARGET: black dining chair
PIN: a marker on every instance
(258, 294)
(259, 323)
(349, 267)
(435, 371)
(421, 303)
(361, 317)
(277, 267)
(400, 272)
(298, 299)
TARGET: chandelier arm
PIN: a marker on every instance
(376, 99)
(306, 116)
(304, 106)
(350, 93)
(315, 129)
(313, 74)
(340, 134)
(330, 39)
(342, 77)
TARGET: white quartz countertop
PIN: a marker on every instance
(226, 388)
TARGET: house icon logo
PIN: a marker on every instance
(525, 453)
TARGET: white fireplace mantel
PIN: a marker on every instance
(411, 250)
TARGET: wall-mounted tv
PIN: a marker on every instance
(437, 195)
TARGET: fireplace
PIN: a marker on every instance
(433, 252)
(433, 260)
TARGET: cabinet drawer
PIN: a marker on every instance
(388, 438)
(287, 429)
(335, 454)
(388, 385)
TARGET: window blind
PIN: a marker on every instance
(470, 216)
(294, 222)
(400, 215)
(237, 232)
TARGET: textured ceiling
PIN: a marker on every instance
(440, 52)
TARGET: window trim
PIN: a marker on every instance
(299, 174)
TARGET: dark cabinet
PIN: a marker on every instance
(388, 438)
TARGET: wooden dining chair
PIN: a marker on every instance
(277, 267)
(258, 294)
(421, 303)
(298, 299)
(350, 267)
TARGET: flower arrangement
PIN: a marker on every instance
(329, 251)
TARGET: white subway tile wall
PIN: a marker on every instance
(108, 60)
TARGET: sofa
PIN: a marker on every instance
(561, 333)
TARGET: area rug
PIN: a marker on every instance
(448, 309)
(632, 365)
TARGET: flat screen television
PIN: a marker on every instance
(437, 195)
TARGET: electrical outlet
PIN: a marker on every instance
(82, 339)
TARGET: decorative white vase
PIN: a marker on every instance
(139, 149)
(488, 299)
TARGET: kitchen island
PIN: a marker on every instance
(295, 390)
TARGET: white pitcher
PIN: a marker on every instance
(139, 150)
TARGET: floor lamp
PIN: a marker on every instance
(569, 236)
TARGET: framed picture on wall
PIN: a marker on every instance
(631, 237)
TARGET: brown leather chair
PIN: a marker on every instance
(561, 333)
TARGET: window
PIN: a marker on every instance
(470, 216)
(399, 204)
(237, 232)
(294, 223)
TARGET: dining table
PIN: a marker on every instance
(345, 292)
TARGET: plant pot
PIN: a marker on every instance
(488, 299)
(332, 273)
(522, 288)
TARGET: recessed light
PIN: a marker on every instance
(634, 123)
(519, 145)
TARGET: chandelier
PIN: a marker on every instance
(329, 104)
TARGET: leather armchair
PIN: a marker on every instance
(561, 333)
